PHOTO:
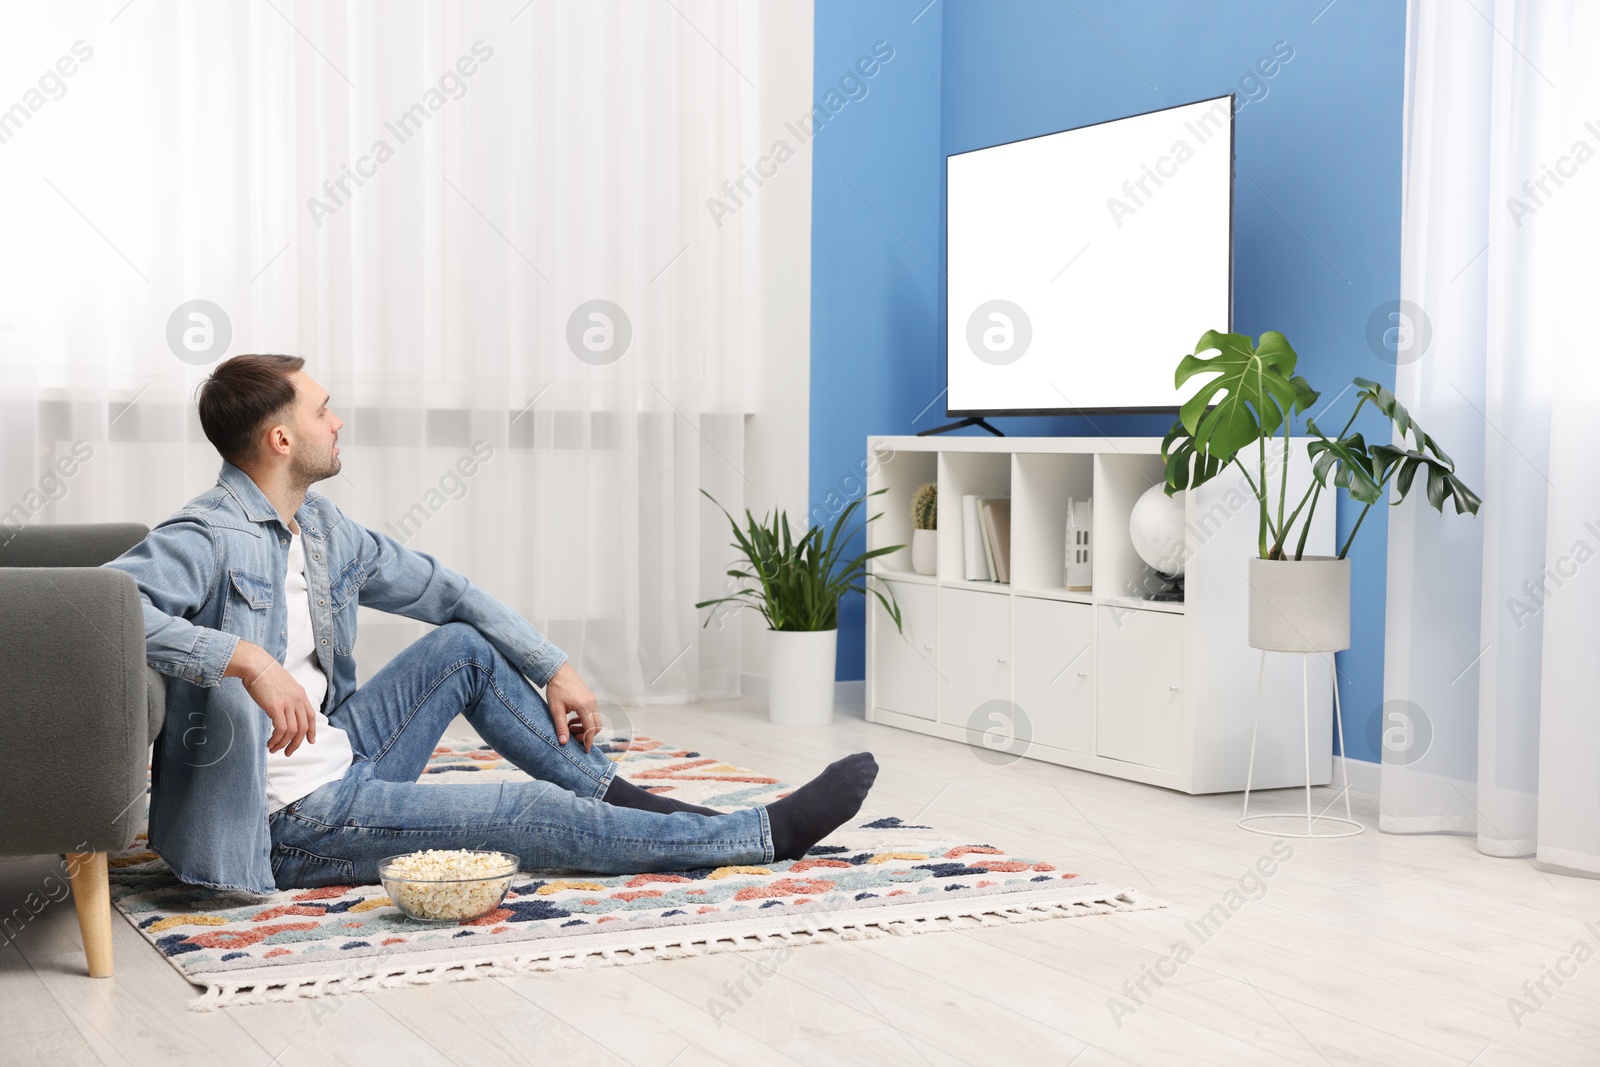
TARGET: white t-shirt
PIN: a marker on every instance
(291, 777)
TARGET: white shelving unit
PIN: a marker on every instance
(1105, 681)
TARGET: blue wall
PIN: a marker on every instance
(1316, 209)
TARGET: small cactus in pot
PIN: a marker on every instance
(925, 508)
(925, 523)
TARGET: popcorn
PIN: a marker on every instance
(459, 884)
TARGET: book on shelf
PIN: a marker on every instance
(983, 536)
(977, 561)
(997, 534)
(986, 534)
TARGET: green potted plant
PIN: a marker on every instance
(797, 588)
(1298, 603)
(925, 527)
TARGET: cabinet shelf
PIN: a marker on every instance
(903, 576)
(1001, 588)
(1073, 595)
(1140, 604)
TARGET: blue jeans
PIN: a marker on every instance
(336, 834)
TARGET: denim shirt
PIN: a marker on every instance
(213, 574)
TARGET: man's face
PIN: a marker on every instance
(316, 433)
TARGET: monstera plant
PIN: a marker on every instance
(1251, 394)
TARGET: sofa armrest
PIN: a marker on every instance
(74, 708)
(156, 698)
(68, 544)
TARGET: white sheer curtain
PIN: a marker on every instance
(423, 200)
(1492, 716)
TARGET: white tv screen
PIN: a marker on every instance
(1082, 264)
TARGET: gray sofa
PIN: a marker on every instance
(80, 708)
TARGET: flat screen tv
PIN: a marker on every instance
(1082, 264)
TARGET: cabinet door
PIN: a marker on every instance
(1139, 699)
(1054, 671)
(974, 654)
(902, 662)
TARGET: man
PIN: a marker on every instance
(250, 595)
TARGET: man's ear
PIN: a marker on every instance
(277, 440)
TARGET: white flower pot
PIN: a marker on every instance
(1300, 605)
(925, 551)
(800, 665)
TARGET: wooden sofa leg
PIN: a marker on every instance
(91, 893)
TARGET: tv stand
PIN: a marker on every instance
(1103, 679)
(970, 421)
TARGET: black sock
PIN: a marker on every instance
(821, 806)
(624, 794)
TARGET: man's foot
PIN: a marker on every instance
(624, 794)
(821, 806)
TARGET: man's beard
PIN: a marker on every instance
(307, 470)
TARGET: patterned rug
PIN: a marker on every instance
(877, 876)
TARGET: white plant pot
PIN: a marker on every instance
(800, 666)
(925, 551)
(1300, 605)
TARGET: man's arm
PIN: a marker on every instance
(284, 700)
(175, 569)
(403, 581)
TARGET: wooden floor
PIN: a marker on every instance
(1376, 949)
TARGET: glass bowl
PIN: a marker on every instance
(446, 896)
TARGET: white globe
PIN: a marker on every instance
(1156, 529)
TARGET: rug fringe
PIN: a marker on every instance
(220, 994)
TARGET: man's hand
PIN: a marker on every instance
(280, 696)
(573, 709)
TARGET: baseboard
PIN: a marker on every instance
(845, 694)
(1364, 776)
(850, 694)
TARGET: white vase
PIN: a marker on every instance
(1300, 605)
(925, 551)
(800, 666)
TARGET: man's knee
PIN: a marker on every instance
(466, 641)
(465, 637)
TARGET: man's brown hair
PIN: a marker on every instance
(241, 396)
